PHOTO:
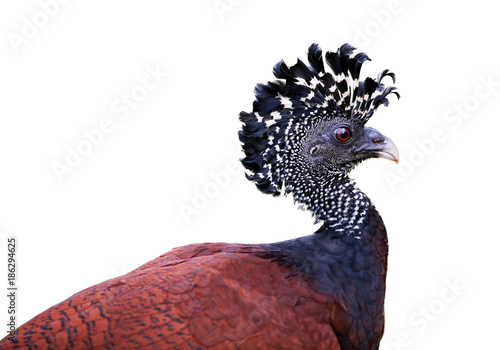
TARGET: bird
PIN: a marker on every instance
(325, 290)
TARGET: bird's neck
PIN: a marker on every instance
(346, 260)
(334, 199)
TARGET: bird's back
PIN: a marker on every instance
(206, 296)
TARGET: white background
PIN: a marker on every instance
(122, 205)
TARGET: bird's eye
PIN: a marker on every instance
(343, 134)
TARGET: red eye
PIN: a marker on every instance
(343, 134)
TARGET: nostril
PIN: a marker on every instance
(378, 140)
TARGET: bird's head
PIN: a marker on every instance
(341, 144)
(311, 122)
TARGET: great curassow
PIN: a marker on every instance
(323, 291)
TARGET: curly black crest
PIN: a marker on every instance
(285, 109)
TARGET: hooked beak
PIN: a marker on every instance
(377, 145)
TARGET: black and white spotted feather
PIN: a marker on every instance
(284, 110)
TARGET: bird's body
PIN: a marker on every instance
(322, 291)
(228, 296)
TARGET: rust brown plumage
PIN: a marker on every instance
(207, 296)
